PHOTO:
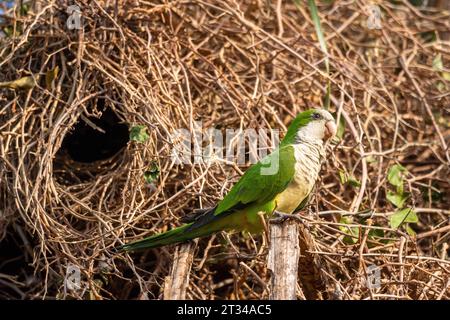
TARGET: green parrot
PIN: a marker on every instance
(278, 184)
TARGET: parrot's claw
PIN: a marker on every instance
(280, 217)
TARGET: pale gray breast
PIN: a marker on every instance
(308, 158)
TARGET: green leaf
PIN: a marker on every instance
(152, 173)
(316, 20)
(354, 182)
(8, 31)
(395, 177)
(342, 176)
(50, 76)
(340, 128)
(347, 179)
(403, 216)
(24, 9)
(352, 232)
(375, 234)
(410, 231)
(396, 199)
(437, 63)
(438, 66)
(24, 83)
(446, 75)
(441, 86)
(139, 133)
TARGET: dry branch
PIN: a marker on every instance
(176, 284)
(284, 253)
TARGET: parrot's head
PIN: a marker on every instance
(311, 125)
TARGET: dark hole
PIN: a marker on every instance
(86, 144)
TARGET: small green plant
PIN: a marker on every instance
(340, 128)
(346, 178)
(352, 233)
(403, 215)
(139, 133)
(152, 173)
(407, 215)
(438, 66)
(395, 176)
(50, 76)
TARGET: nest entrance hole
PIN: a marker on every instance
(94, 139)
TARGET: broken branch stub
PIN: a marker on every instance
(283, 259)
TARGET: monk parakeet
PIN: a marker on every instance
(279, 183)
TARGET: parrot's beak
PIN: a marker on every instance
(330, 129)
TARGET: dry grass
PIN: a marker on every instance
(252, 65)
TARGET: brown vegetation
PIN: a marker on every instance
(249, 65)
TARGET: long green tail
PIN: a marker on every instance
(176, 235)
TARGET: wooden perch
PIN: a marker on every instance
(284, 253)
(176, 284)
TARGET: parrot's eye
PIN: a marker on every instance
(316, 116)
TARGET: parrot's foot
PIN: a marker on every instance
(280, 217)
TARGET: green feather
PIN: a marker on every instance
(300, 121)
(259, 183)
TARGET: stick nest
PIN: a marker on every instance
(65, 202)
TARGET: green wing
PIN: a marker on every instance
(262, 181)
